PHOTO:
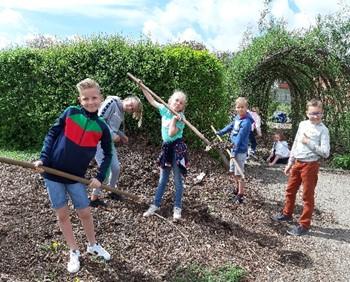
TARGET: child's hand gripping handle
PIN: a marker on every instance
(38, 167)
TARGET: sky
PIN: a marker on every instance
(219, 24)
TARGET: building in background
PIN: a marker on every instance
(281, 93)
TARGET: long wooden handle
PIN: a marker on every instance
(229, 153)
(69, 176)
(194, 129)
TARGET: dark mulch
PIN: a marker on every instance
(214, 231)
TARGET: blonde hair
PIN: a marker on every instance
(314, 103)
(241, 100)
(138, 112)
(88, 83)
(178, 93)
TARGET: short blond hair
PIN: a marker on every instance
(314, 103)
(178, 93)
(88, 83)
(241, 100)
(137, 114)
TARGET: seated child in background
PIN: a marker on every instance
(279, 152)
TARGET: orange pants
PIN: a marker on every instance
(306, 174)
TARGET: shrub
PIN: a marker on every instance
(341, 161)
(38, 84)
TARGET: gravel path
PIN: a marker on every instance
(324, 255)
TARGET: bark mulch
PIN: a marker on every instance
(214, 230)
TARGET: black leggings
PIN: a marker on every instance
(280, 160)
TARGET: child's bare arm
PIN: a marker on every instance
(270, 157)
(150, 99)
(173, 129)
(274, 161)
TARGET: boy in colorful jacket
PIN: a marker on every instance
(69, 146)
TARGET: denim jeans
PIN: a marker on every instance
(163, 181)
(58, 194)
(114, 170)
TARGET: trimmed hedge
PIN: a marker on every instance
(37, 84)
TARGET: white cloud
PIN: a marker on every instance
(16, 28)
(4, 41)
(280, 9)
(189, 34)
(11, 17)
(308, 11)
(314, 7)
(220, 24)
(126, 9)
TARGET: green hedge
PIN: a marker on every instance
(37, 84)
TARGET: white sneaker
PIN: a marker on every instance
(151, 210)
(99, 251)
(177, 213)
(74, 263)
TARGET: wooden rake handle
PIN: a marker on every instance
(69, 176)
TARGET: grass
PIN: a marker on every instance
(28, 155)
(197, 273)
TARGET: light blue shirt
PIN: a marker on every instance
(166, 119)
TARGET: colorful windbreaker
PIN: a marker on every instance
(71, 144)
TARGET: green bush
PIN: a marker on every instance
(341, 161)
(38, 84)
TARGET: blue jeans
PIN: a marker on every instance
(163, 181)
(114, 170)
(58, 194)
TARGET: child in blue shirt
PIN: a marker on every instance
(174, 151)
(239, 130)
